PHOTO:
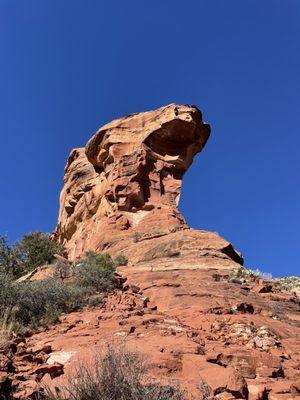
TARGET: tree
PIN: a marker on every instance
(37, 249)
(10, 258)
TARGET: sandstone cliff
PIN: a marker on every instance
(121, 193)
(179, 304)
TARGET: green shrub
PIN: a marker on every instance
(120, 375)
(42, 302)
(95, 271)
(33, 303)
(120, 260)
(10, 258)
(32, 251)
(7, 295)
(37, 249)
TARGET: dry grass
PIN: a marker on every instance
(119, 375)
(6, 330)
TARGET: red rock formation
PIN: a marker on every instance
(178, 305)
(121, 193)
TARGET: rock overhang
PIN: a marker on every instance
(123, 189)
(168, 132)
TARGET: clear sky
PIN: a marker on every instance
(69, 66)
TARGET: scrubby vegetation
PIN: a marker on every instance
(34, 303)
(119, 375)
(29, 304)
(242, 275)
(10, 260)
(121, 260)
(32, 251)
(205, 390)
(95, 271)
(290, 283)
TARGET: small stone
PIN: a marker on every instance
(295, 388)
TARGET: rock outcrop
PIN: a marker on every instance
(183, 299)
(121, 193)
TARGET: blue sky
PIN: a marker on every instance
(67, 67)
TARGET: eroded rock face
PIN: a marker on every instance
(178, 302)
(123, 189)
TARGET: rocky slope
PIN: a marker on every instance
(179, 305)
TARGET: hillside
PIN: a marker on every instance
(183, 299)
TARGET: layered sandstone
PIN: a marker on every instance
(121, 192)
(179, 304)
